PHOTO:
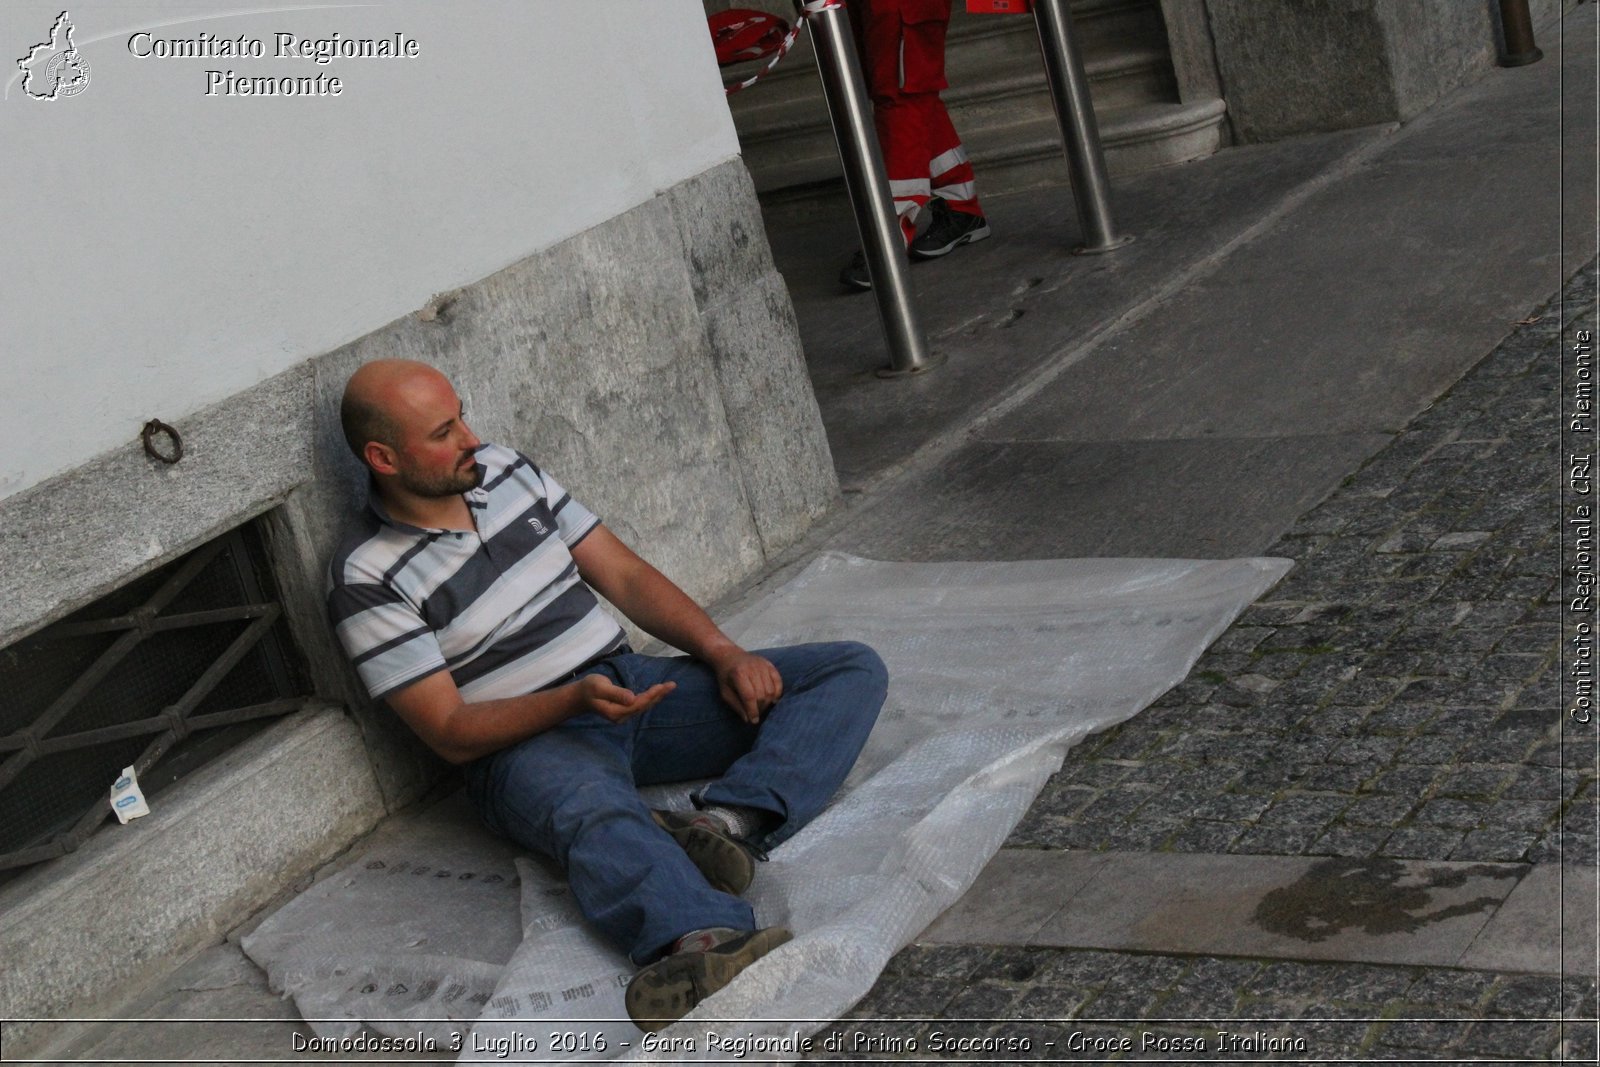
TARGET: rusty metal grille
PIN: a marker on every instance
(165, 674)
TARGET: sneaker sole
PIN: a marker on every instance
(724, 864)
(965, 239)
(669, 989)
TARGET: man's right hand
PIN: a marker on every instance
(461, 732)
(599, 694)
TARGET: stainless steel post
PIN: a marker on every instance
(868, 183)
(1517, 31)
(1080, 136)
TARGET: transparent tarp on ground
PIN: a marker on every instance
(996, 669)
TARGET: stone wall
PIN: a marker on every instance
(652, 363)
(1318, 65)
(201, 244)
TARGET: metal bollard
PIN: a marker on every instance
(1517, 25)
(868, 183)
(1080, 136)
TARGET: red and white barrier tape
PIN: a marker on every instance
(807, 9)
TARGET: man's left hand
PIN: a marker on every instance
(750, 684)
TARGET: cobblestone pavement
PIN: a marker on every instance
(1102, 1006)
(1398, 694)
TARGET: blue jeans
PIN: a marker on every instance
(571, 792)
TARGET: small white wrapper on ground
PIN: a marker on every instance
(127, 799)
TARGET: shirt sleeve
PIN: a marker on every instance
(573, 520)
(388, 643)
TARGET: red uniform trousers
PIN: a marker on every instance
(902, 53)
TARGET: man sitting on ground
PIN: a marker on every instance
(464, 600)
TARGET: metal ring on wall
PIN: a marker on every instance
(147, 436)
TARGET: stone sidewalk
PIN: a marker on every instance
(1356, 831)
(1312, 350)
(1394, 695)
(1395, 698)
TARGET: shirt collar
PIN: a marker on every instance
(477, 498)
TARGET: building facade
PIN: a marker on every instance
(214, 220)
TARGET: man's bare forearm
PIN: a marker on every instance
(748, 683)
(462, 732)
(649, 598)
(663, 610)
(472, 730)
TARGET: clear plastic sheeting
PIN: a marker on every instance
(418, 927)
(996, 670)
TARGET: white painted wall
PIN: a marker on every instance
(165, 249)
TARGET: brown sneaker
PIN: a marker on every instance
(671, 987)
(726, 862)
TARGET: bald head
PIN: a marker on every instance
(404, 420)
(378, 397)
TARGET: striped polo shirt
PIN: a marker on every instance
(501, 608)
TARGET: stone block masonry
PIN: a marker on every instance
(652, 363)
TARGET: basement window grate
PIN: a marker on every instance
(164, 674)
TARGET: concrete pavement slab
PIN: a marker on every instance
(1401, 216)
(217, 989)
(1016, 893)
(1184, 499)
(1376, 910)
(1370, 911)
(1580, 164)
(1406, 288)
(1546, 925)
(1005, 308)
(1405, 292)
(1181, 902)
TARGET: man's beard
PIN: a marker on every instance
(452, 484)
